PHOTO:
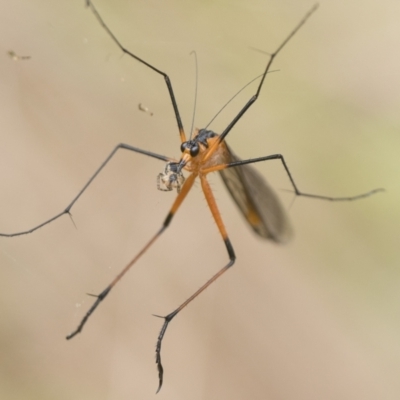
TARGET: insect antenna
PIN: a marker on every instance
(271, 59)
(235, 95)
(195, 92)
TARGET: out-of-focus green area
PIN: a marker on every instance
(316, 319)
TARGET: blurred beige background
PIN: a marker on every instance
(316, 319)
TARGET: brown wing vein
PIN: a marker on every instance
(257, 201)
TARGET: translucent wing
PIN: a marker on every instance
(257, 201)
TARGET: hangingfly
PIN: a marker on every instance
(204, 152)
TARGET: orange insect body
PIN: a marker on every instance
(206, 152)
(209, 156)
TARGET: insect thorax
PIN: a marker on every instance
(172, 177)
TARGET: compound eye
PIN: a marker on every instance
(194, 150)
(184, 146)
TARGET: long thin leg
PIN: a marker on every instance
(126, 51)
(167, 319)
(255, 96)
(104, 163)
(99, 298)
(271, 59)
(296, 190)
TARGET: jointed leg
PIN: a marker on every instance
(253, 99)
(104, 163)
(296, 190)
(126, 51)
(99, 298)
(167, 319)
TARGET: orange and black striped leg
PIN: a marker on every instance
(67, 210)
(167, 319)
(100, 297)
